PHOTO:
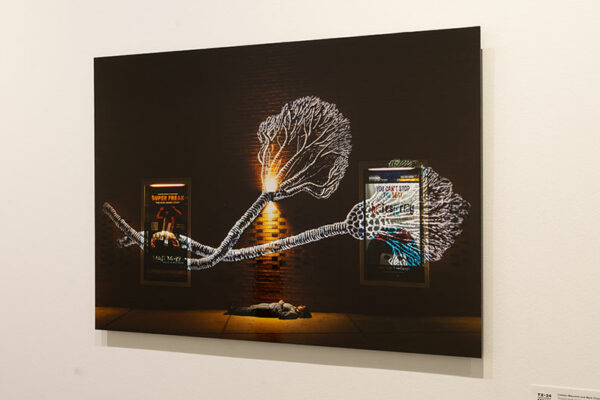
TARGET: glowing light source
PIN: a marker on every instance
(167, 184)
(271, 209)
(270, 184)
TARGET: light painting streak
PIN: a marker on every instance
(443, 217)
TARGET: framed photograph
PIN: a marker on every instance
(336, 192)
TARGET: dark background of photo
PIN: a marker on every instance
(195, 114)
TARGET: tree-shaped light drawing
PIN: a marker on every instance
(443, 215)
(304, 148)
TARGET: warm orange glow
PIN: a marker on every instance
(167, 184)
(271, 209)
(270, 184)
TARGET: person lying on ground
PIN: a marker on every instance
(281, 310)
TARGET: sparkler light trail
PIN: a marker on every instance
(443, 216)
(304, 148)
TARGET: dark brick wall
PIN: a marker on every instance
(275, 276)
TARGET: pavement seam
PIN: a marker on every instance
(354, 323)
(225, 326)
(106, 326)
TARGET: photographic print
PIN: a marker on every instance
(323, 192)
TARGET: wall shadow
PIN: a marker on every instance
(447, 365)
(487, 87)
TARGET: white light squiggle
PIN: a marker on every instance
(303, 148)
(443, 217)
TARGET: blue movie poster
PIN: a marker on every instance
(393, 197)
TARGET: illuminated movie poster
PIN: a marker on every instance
(394, 196)
(337, 192)
(166, 223)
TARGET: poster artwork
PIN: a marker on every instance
(396, 196)
(166, 214)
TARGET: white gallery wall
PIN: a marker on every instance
(541, 94)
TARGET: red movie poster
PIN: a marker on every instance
(166, 226)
